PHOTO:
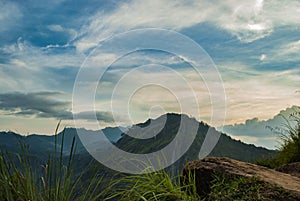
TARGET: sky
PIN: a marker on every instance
(255, 46)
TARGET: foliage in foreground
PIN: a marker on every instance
(153, 187)
(57, 182)
(54, 181)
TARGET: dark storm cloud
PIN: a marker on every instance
(35, 103)
(44, 105)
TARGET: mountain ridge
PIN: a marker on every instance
(41, 146)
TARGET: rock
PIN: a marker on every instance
(206, 169)
(292, 169)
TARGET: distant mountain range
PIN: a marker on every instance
(41, 146)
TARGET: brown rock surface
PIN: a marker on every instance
(206, 169)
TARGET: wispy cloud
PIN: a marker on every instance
(289, 52)
(248, 20)
(30, 67)
(252, 93)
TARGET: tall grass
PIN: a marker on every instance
(290, 149)
(16, 184)
(156, 186)
(57, 180)
(54, 181)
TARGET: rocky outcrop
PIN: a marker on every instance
(207, 169)
(292, 169)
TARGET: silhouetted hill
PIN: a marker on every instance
(226, 146)
(154, 135)
(42, 145)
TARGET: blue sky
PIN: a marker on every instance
(255, 45)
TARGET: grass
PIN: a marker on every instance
(157, 186)
(53, 181)
(57, 182)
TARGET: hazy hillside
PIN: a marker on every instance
(41, 146)
(226, 146)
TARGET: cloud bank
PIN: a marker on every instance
(44, 105)
(262, 132)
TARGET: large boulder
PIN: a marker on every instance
(207, 169)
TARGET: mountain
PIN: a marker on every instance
(225, 147)
(150, 136)
(41, 145)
